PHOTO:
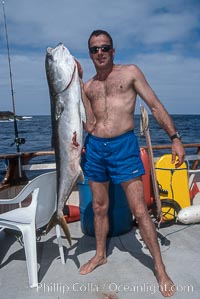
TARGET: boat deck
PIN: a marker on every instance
(127, 274)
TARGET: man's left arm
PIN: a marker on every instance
(160, 114)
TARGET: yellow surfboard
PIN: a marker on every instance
(173, 182)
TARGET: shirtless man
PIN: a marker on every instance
(112, 151)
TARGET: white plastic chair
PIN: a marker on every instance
(36, 215)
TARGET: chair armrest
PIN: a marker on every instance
(20, 197)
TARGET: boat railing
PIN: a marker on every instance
(14, 177)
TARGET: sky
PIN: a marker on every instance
(162, 37)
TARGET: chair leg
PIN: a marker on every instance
(29, 237)
(60, 245)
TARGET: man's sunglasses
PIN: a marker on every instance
(104, 48)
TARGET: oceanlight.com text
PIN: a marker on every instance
(90, 287)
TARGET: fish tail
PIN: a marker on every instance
(62, 222)
(53, 221)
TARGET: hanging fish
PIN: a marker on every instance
(68, 115)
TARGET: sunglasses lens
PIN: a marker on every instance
(94, 50)
(104, 48)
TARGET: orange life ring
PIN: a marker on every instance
(146, 178)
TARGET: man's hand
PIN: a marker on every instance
(177, 150)
(80, 70)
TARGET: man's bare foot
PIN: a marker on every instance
(166, 285)
(92, 264)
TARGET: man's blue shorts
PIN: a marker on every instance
(116, 159)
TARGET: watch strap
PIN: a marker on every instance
(176, 135)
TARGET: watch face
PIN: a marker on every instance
(177, 135)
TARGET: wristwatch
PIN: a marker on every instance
(176, 135)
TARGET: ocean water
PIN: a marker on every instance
(37, 133)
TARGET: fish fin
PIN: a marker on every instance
(62, 222)
(59, 108)
(81, 175)
(82, 111)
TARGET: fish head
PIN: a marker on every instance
(60, 66)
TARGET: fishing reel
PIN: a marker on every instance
(18, 141)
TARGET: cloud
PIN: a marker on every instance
(162, 37)
(38, 23)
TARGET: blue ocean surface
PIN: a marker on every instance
(37, 133)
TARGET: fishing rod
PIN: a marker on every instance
(17, 140)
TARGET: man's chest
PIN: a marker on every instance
(109, 88)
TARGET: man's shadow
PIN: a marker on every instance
(130, 242)
(47, 249)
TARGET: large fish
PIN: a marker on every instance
(68, 114)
